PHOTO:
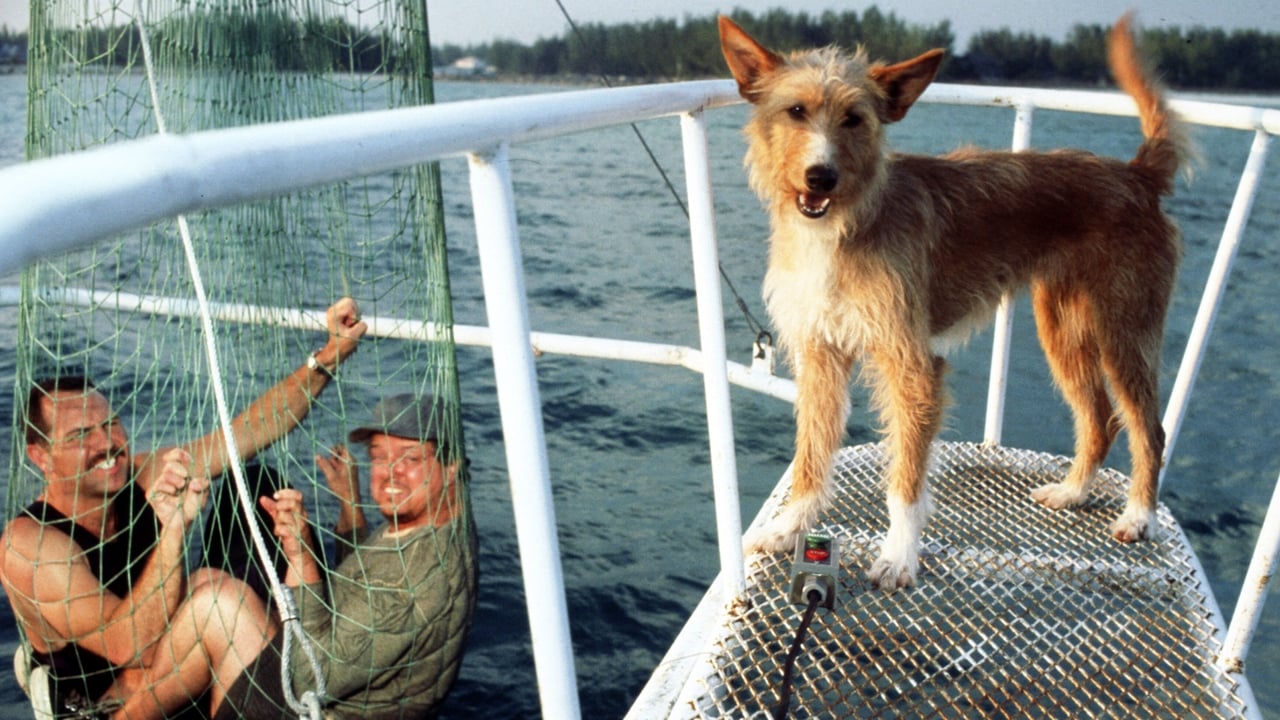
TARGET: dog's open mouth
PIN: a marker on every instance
(812, 205)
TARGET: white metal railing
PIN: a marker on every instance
(70, 201)
(498, 238)
(1241, 206)
(1002, 333)
(409, 329)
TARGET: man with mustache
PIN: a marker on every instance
(95, 567)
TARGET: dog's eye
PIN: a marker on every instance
(797, 112)
(852, 120)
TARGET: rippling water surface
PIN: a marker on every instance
(605, 253)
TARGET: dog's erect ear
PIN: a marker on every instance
(905, 82)
(748, 60)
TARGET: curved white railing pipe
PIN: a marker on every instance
(1198, 112)
(68, 201)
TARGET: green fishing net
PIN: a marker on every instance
(264, 264)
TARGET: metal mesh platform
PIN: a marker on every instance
(1019, 611)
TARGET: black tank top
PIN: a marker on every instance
(80, 676)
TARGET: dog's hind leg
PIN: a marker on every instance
(909, 393)
(1131, 362)
(1146, 447)
(822, 406)
(1066, 326)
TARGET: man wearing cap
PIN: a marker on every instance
(390, 637)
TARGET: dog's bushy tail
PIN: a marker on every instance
(1166, 147)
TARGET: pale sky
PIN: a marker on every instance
(464, 22)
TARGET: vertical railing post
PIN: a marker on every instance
(1002, 330)
(520, 407)
(1253, 594)
(706, 275)
(1215, 286)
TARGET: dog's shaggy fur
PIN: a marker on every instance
(885, 258)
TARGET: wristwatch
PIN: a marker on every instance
(317, 366)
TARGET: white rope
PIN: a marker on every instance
(309, 706)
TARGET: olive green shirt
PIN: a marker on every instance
(393, 641)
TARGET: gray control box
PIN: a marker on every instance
(816, 567)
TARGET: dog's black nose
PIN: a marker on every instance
(821, 178)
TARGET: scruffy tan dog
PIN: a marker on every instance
(886, 258)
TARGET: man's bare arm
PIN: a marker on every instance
(281, 408)
(60, 600)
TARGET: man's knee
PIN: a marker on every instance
(207, 576)
(215, 594)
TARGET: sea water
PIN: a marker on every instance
(605, 252)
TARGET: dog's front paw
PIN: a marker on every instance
(1059, 496)
(893, 573)
(1133, 525)
(779, 534)
(775, 537)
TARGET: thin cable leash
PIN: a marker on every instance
(752, 323)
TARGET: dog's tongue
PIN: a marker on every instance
(812, 205)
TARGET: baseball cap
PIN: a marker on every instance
(406, 416)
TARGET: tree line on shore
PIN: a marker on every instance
(661, 49)
(1196, 57)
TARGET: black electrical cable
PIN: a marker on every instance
(780, 711)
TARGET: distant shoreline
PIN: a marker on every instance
(1243, 97)
(1207, 94)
